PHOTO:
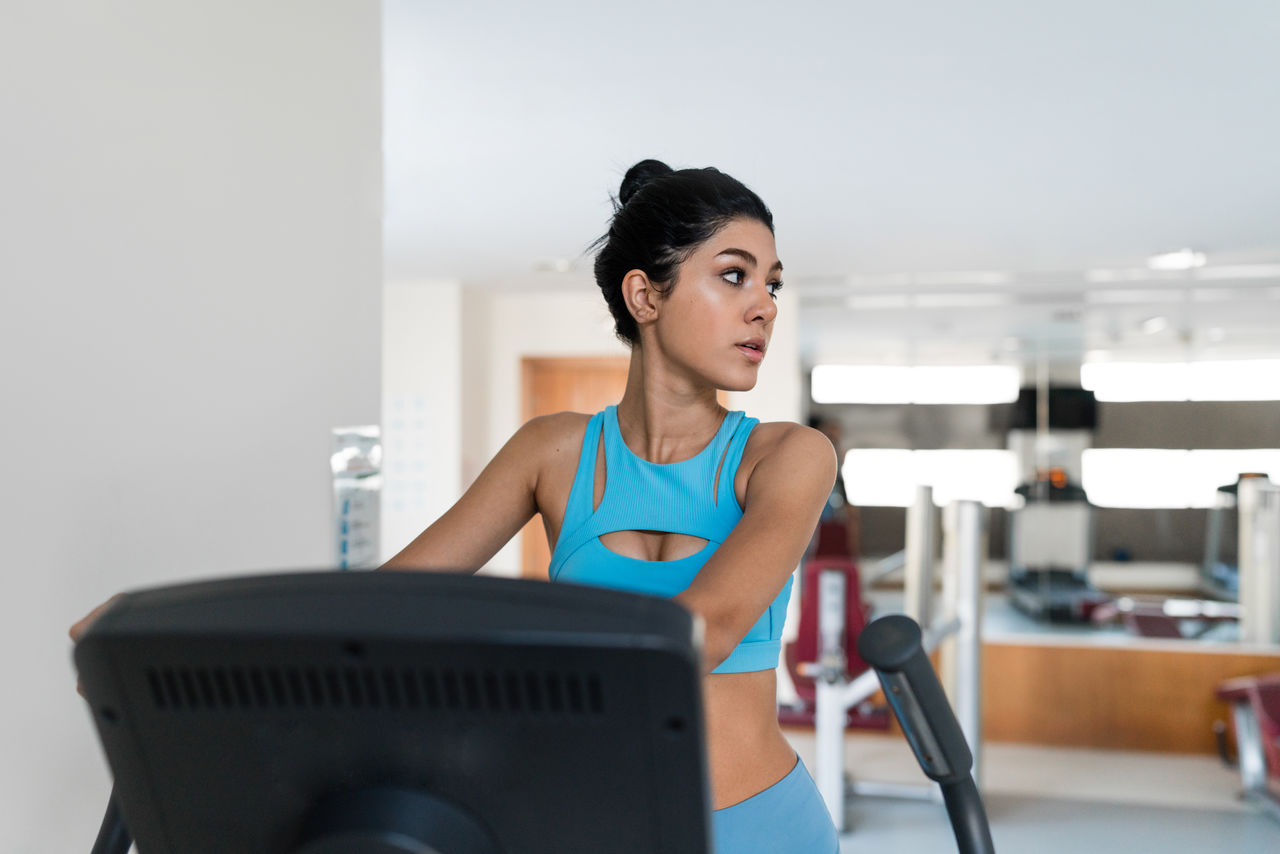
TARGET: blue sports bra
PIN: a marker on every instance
(679, 498)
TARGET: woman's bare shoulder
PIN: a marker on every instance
(550, 436)
(772, 434)
(798, 443)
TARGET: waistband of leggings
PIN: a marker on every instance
(790, 775)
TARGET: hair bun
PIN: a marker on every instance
(639, 176)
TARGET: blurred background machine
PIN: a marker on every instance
(1051, 528)
(1220, 570)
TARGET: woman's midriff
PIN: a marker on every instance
(746, 750)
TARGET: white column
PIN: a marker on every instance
(917, 584)
(1259, 554)
(829, 711)
(964, 549)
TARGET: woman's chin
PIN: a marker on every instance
(738, 384)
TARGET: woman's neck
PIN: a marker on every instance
(664, 417)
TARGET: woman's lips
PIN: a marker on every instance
(750, 353)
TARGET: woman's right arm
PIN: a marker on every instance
(490, 512)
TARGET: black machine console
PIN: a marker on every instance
(398, 713)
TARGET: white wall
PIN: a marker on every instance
(421, 404)
(564, 323)
(190, 255)
(778, 391)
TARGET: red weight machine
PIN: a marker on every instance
(1255, 717)
(829, 552)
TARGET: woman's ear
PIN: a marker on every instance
(641, 297)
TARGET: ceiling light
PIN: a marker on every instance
(1241, 271)
(1183, 259)
(879, 280)
(1133, 295)
(1103, 276)
(876, 302)
(972, 277)
(554, 265)
(1153, 325)
(961, 300)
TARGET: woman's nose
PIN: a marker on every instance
(763, 307)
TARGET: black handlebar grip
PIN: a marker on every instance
(894, 646)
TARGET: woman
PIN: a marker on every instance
(669, 494)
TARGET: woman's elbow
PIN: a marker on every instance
(716, 638)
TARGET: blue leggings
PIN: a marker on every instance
(789, 817)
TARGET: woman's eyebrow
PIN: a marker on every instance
(748, 257)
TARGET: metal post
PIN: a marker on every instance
(964, 549)
(1259, 556)
(1253, 768)
(917, 584)
(829, 707)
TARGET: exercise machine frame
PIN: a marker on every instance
(956, 628)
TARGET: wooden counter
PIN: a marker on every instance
(1129, 693)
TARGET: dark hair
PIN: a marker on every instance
(660, 217)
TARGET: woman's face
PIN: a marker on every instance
(717, 319)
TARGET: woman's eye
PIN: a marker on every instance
(733, 277)
(774, 287)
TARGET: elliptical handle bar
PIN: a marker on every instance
(894, 646)
(113, 836)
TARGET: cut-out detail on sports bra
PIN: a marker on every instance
(652, 546)
(640, 544)
(715, 489)
(602, 476)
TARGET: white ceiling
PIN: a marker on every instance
(1027, 142)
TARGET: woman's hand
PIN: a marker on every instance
(82, 625)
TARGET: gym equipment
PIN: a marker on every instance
(802, 654)
(1051, 532)
(1050, 541)
(830, 559)
(1219, 573)
(894, 647)
(837, 691)
(398, 713)
(1255, 717)
(1168, 618)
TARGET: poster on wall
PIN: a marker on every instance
(356, 463)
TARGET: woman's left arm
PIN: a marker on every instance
(785, 494)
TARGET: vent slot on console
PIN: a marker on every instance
(367, 687)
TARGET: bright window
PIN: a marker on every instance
(921, 384)
(1243, 379)
(1112, 477)
(1148, 477)
(888, 477)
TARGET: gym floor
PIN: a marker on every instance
(1043, 800)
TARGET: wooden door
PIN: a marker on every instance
(586, 384)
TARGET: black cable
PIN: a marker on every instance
(113, 836)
